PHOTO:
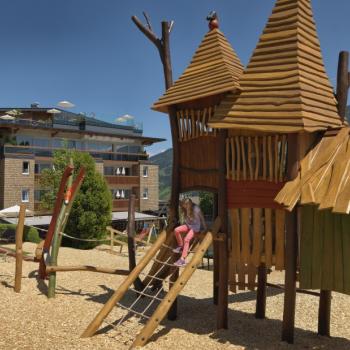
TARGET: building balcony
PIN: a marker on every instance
(122, 180)
(48, 152)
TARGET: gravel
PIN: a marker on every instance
(30, 321)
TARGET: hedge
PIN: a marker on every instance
(31, 234)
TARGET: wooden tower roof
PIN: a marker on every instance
(285, 87)
(215, 68)
(324, 179)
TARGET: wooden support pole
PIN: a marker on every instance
(131, 240)
(291, 249)
(19, 248)
(343, 83)
(324, 313)
(223, 246)
(260, 311)
(215, 257)
(119, 293)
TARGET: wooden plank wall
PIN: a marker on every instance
(198, 150)
(258, 234)
(324, 250)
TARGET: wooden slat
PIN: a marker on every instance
(268, 237)
(280, 238)
(327, 264)
(238, 157)
(270, 158)
(317, 249)
(244, 163)
(249, 156)
(257, 236)
(233, 158)
(338, 271)
(245, 224)
(257, 157)
(345, 220)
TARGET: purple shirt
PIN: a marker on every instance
(194, 223)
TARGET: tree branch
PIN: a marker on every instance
(148, 33)
(148, 20)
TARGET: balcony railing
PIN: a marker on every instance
(48, 152)
(122, 180)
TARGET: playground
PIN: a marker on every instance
(31, 321)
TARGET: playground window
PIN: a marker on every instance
(145, 171)
(25, 195)
(25, 168)
(145, 193)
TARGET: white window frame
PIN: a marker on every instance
(26, 190)
(143, 171)
(25, 173)
(145, 193)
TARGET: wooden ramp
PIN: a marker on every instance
(149, 306)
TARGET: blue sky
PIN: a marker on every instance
(90, 53)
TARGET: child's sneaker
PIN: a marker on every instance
(177, 250)
(180, 262)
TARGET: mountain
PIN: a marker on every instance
(164, 160)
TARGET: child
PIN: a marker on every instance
(193, 220)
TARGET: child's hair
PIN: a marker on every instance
(187, 212)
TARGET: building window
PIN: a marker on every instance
(39, 167)
(145, 171)
(25, 168)
(25, 195)
(145, 193)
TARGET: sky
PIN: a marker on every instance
(90, 53)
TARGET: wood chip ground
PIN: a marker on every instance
(29, 321)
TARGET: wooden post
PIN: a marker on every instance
(112, 240)
(223, 246)
(19, 249)
(119, 293)
(163, 47)
(215, 257)
(343, 83)
(291, 248)
(324, 313)
(261, 292)
(131, 240)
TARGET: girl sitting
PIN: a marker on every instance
(193, 219)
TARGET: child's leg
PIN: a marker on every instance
(187, 241)
(178, 231)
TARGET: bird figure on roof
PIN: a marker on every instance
(213, 20)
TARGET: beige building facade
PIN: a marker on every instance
(29, 141)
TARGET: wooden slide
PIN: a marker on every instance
(166, 302)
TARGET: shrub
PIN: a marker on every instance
(30, 234)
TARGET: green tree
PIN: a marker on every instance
(92, 207)
(206, 203)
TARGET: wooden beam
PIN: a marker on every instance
(291, 249)
(223, 246)
(119, 293)
(260, 311)
(19, 248)
(343, 83)
(324, 313)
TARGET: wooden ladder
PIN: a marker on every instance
(166, 302)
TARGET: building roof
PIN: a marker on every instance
(215, 68)
(285, 87)
(46, 219)
(324, 178)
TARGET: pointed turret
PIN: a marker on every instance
(285, 87)
(215, 68)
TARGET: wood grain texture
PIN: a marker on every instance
(215, 68)
(285, 87)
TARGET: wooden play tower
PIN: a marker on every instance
(262, 139)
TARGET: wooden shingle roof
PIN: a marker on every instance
(215, 68)
(285, 87)
(324, 177)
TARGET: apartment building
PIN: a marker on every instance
(29, 137)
